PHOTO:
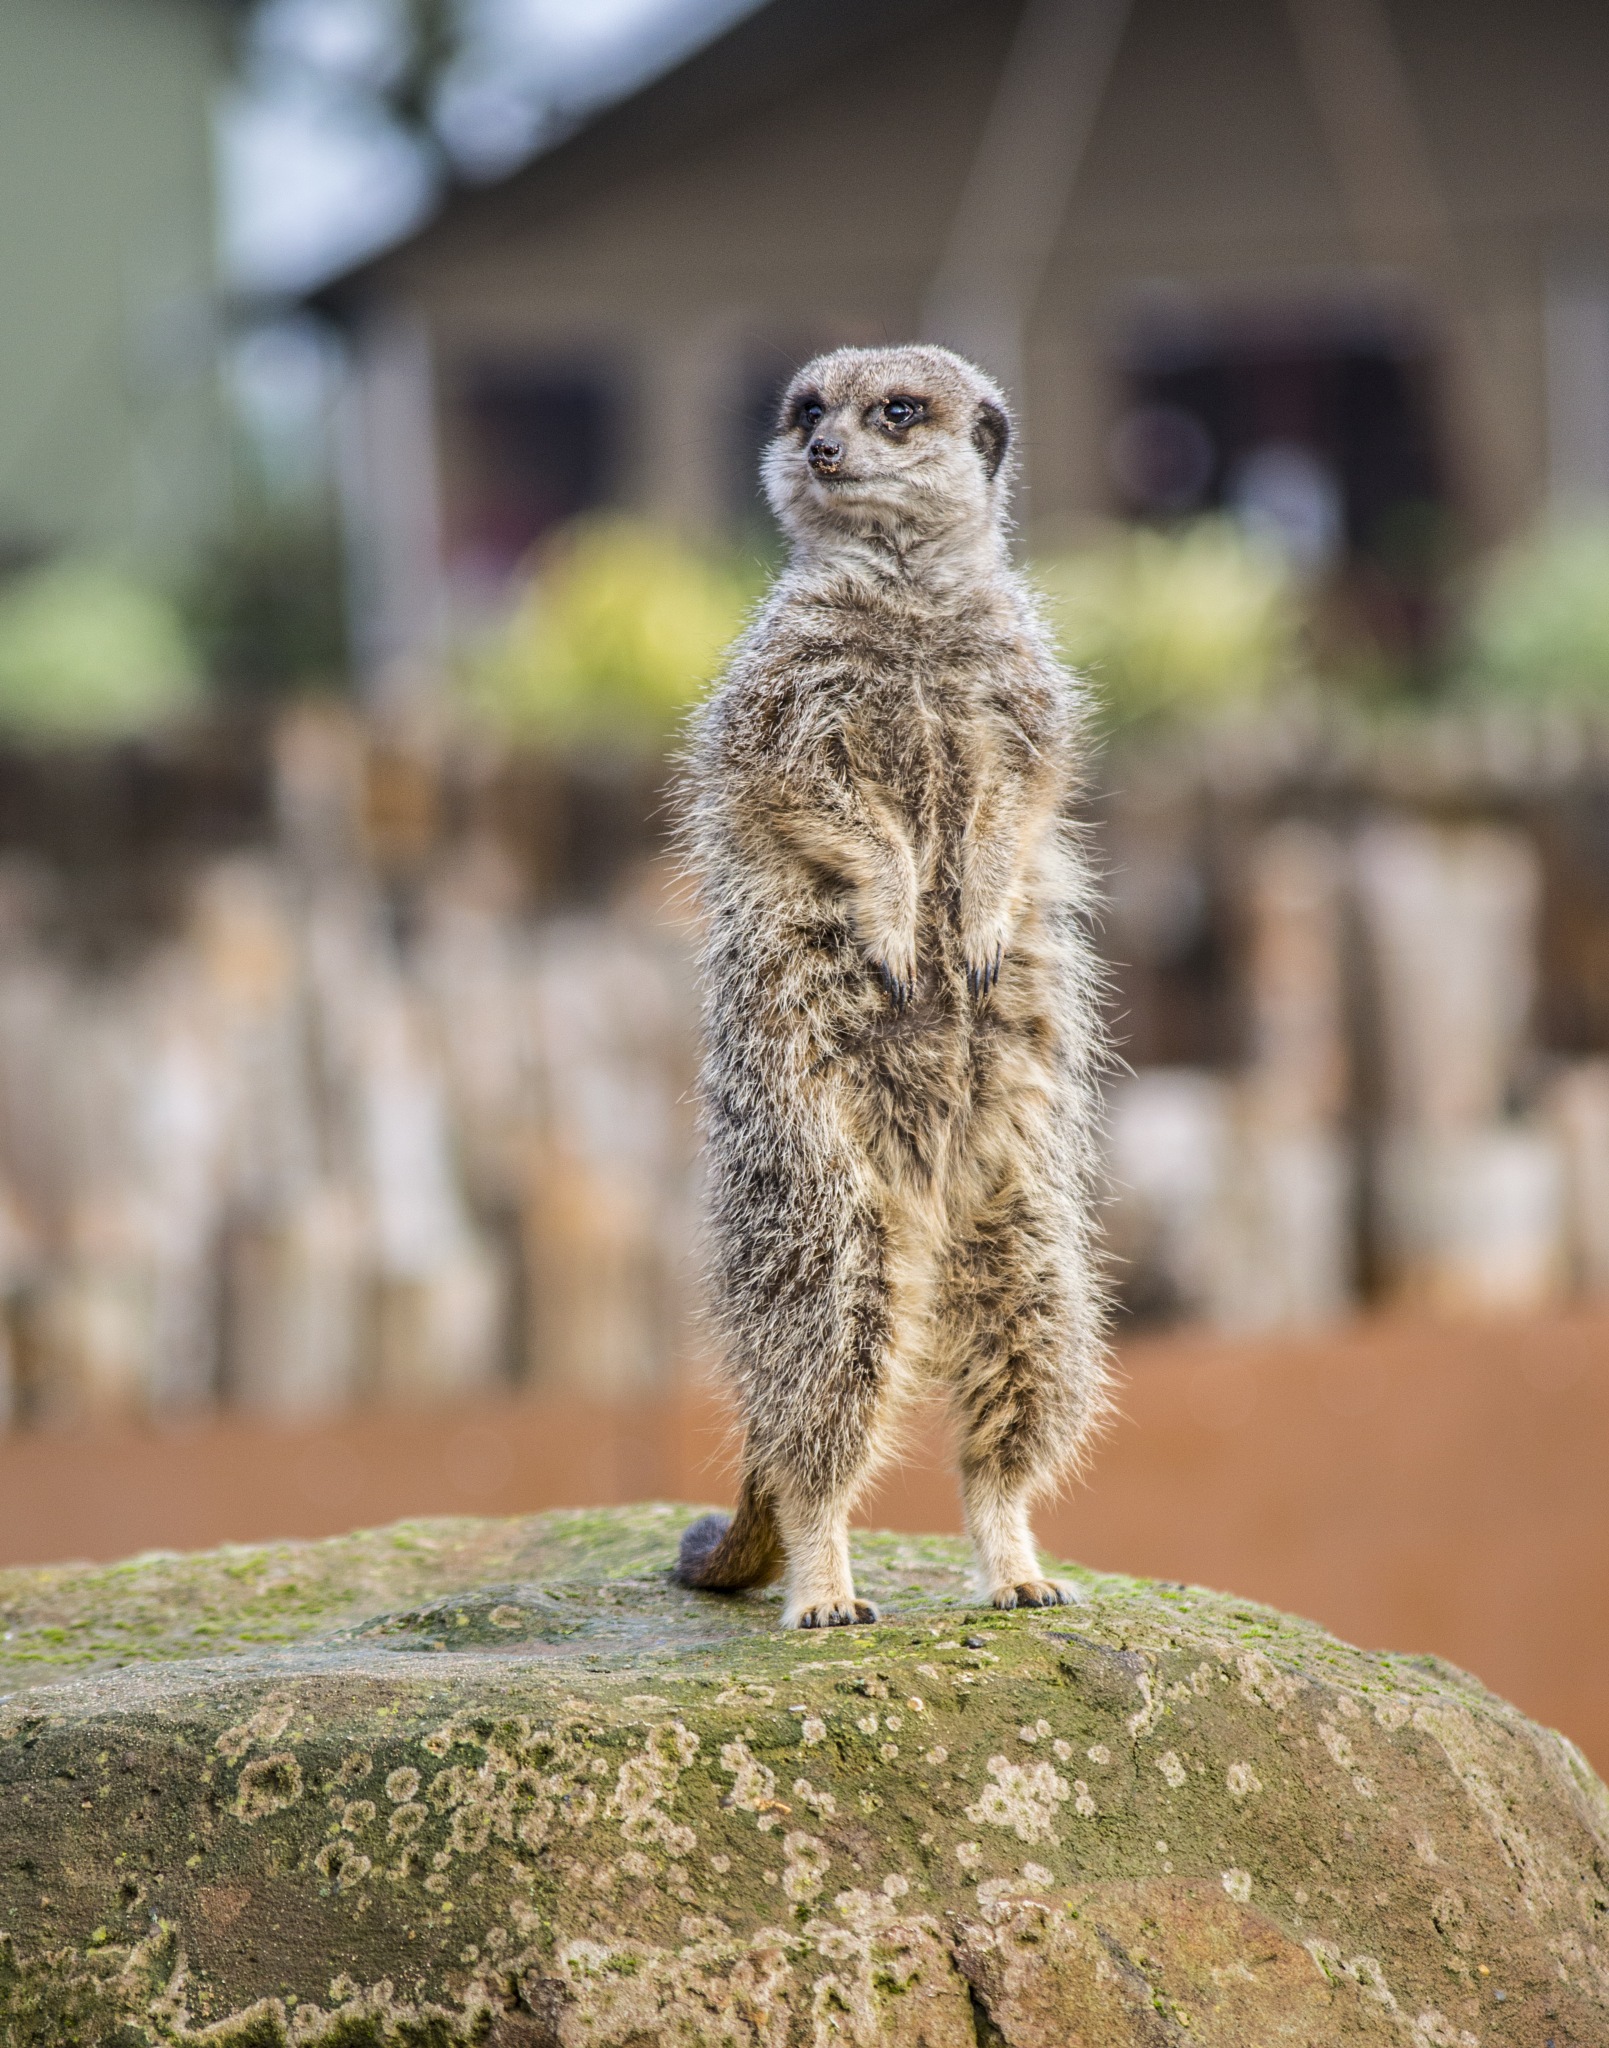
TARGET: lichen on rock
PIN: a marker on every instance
(506, 1783)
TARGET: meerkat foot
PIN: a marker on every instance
(836, 1613)
(821, 1581)
(1037, 1593)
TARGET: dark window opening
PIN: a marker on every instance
(541, 448)
(1319, 433)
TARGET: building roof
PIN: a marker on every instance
(759, 58)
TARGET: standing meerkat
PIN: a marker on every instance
(901, 1028)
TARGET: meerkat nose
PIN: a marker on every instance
(823, 455)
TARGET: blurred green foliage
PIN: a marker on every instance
(1538, 625)
(621, 625)
(1184, 622)
(88, 652)
(267, 605)
(619, 628)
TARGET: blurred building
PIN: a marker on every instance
(1340, 264)
(111, 429)
(348, 1059)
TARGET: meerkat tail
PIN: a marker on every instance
(724, 1553)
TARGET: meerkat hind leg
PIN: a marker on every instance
(820, 1589)
(1019, 1401)
(1008, 1569)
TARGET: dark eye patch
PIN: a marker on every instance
(807, 410)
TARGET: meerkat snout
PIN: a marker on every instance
(825, 457)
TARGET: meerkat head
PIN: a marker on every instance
(910, 443)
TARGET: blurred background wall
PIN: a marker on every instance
(381, 387)
(112, 427)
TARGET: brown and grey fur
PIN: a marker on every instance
(900, 1013)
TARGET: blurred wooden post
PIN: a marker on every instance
(295, 1286)
(1578, 1108)
(1236, 1193)
(1469, 1199)
(1300, 1064)
(607, 1200)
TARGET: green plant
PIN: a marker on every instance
(1176, 623)
(267, 605)
(1538, 624)
(88, 652)
(618, 629)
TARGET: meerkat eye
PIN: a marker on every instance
(902, 412)
(809, 412)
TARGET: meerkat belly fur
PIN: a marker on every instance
(901, 1026)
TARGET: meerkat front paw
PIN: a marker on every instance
(835, 1613)
(983, 967)
(895, 966)
(1037, 1593)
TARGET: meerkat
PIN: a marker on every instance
(901, 1036)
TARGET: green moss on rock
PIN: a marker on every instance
(503, 1782)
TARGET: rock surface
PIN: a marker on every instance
(502, 1782)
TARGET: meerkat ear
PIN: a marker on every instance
(991, 436)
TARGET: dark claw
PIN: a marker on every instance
(981, 979)
(861, 1614)
(899, 992)
(1039, 1593)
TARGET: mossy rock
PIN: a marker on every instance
(503, 1782)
